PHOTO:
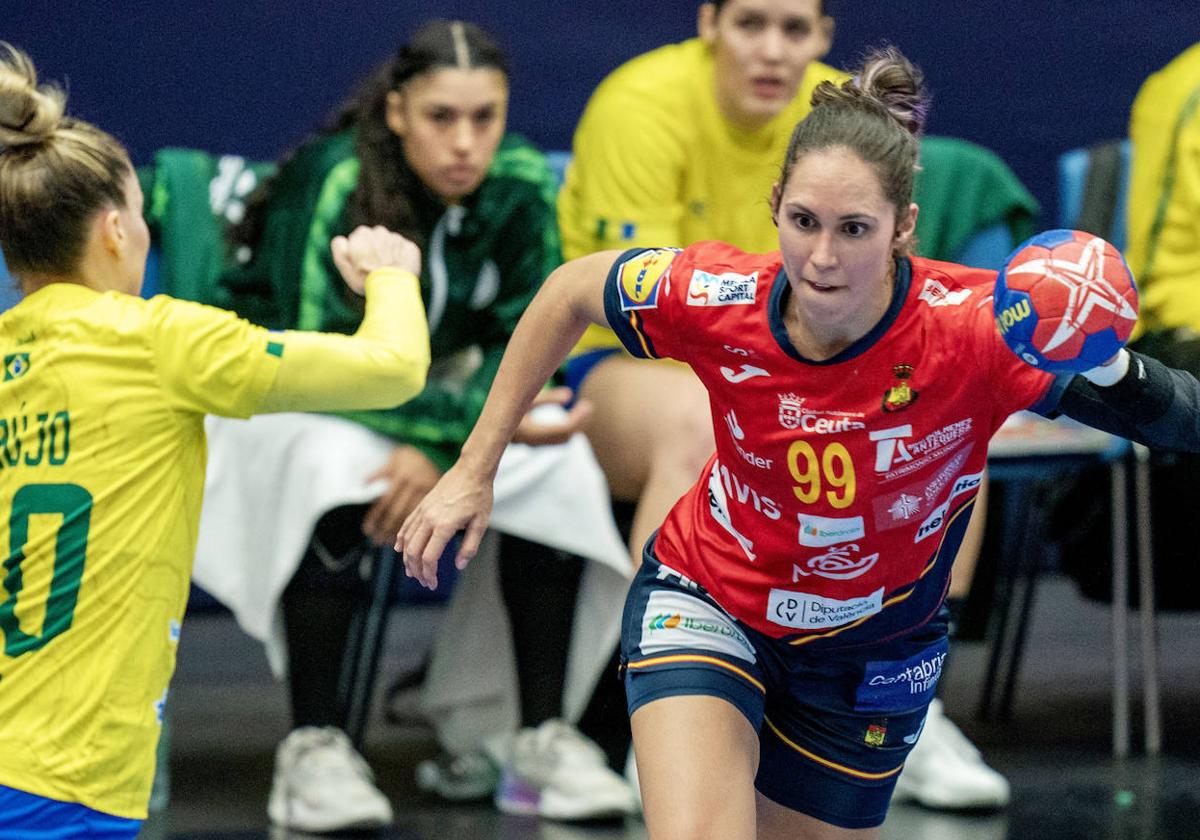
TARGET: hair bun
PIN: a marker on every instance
(28, 113)
(887, 79)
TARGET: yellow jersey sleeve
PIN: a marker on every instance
(1164, 195)
(210, 361)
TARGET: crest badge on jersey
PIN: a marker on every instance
(901, 395)
(791, 407)
(641, 277)
(15, 365)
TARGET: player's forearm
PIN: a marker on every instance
(382, 365)
(1151, 404)
(571, 298)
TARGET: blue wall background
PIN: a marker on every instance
(1028, 79)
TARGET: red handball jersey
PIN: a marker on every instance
(840, 490)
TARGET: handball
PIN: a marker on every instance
(1065, 301)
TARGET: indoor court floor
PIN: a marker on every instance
(228, 715)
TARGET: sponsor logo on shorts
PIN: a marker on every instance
(820, 531)
(640, 278)
(677, 620)
(803, 611)
(726, 289)
(895, 685)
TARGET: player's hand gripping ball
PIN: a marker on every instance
(1065, 301)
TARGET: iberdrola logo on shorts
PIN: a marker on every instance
(665, 622)
(15, 365)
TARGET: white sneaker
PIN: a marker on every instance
(459, 778)
(945, 771)
(555, 772)
(322, 784)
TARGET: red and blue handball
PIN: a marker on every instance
(1065, 301)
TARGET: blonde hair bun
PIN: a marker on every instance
(28, 113)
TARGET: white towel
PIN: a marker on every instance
(272, 477)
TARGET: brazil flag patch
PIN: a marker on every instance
(16, 365)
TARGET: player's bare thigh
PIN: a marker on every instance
(648, 415)
(697, 757)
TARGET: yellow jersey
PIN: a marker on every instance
(1164, 195)
(655, 163)
(102, 459)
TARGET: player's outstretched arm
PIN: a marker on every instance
(571, 298)
(385, 362)
(1139, 398)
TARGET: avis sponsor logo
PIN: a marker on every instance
(935, 294)
(838, 563)
(718, 508)
(744, 494)
(820, 531)
(726, 289)
(801, 610)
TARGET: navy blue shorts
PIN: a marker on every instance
(835, 726)
(25, 815)
(578, 367)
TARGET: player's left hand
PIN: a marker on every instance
(536, 429)
(410, 475)
(369, 248)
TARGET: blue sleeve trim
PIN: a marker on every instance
(1047, 406)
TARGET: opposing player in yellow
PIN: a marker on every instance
(679, 145)
(102, 453)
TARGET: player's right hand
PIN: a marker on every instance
(460, 501)
(369, 248)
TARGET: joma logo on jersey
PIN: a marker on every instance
(1014, 314)
(725, 289)
(835, 564)
(15, 365)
